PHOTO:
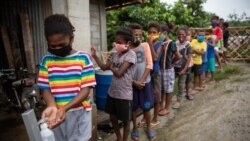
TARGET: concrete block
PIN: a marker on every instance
(95, 21)
(96, 35)
(95, 28)
(94, 14)
(96, 41)
(78, 8)
(82, 34)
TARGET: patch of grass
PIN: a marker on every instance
(228, 70)
(239, 79)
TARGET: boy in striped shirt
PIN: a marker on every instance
(65, 77)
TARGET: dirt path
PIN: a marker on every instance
(221, 113)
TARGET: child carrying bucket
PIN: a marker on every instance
(122, 64)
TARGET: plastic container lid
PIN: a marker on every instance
(44, 126)
(106, 72)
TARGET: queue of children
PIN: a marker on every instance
(144, 74)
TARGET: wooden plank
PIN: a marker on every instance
(7, 47)
(28, 44)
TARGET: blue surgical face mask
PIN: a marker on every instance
(200, 38)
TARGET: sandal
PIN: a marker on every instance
(164, 112)
(151, 135)
(153, 124)
(176, 105)
(135, 135)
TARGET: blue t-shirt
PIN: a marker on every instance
(156, 64)
(210, 50)
(171, 50)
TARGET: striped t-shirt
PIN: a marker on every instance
(65, 76)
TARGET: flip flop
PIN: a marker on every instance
(151, 135)
(176, 106)
(199, 89)
(135, 135)
(163, 112)
(153, 124)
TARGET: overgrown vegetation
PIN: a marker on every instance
(228, 70)
(183, 12)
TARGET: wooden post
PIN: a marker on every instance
(7, 47)
(28, 44)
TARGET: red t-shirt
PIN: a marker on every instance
(218, 32)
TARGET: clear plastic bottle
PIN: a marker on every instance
(46, 133)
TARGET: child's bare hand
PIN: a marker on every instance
(182, 72)
(49, 114)
(139, 84)
(93, 51)
(150, 39)
(61, 114)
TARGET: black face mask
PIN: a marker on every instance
(62, 52)
(137, 41)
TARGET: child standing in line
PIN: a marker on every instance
(204, 68)
(65, 77)
(181, 66)
(155, 40)
(120, 93)
(199, 47)
(189, 94)
(210, 56)
(142, 88)
(168, 58)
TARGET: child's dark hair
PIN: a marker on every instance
(58, 24)
(155, 25)
(210, 31)
(135, 26)
(183, 29)
(165, 28)
(226, 24)
(215, 18)
(126, 32)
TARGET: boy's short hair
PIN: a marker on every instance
(215, 18)
(154, 24)
(183, 29)
(165, 28)
(226, 24)
(58, 24)
(126, 32)
(135, 26)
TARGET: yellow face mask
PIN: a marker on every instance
(154, 37)
(208, 36)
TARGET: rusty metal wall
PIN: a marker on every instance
(36, 10)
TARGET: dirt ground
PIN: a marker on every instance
(220, 113)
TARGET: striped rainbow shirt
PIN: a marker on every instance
(65, 76)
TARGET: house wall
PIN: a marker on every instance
(89, 19)
(98, 24)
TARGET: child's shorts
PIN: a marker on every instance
(167, 80)
(120, 108)
(204, 67)
(156, 83)
(197, 69)
(211, 65)
(189, 76)
(76, 127)
(143, 98)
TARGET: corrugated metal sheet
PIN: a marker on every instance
(36, 10)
